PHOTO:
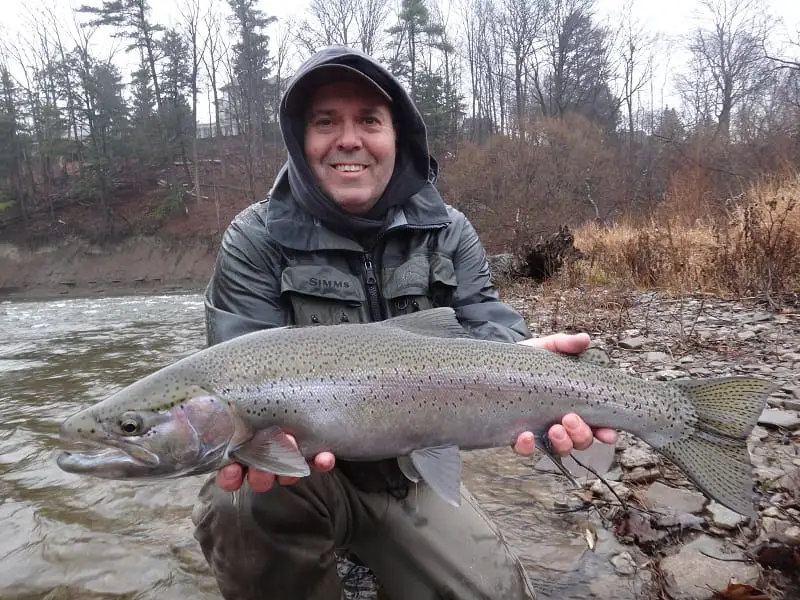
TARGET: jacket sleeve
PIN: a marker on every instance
(244, 293)
(476, 300)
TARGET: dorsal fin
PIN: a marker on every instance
(436, 322)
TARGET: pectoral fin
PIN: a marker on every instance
(272, 451)
(440, 468)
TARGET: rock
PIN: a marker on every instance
(774, 529)
(632, 343)
(674, 501)
(759, 433)
(776, 417)
(760, 317)
(642, 475)
(700, 371)
(502, 266)
(624, 563)
(638, 456)
(792, 535)
(600, 490)
(724, 517)
(747, 334)
(686, 359)
(670, 374)
(656, 357)
(704, 566)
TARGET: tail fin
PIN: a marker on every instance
(715, 455)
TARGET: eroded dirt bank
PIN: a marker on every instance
(75, 267)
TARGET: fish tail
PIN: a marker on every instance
(715, 455)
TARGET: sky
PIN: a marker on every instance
(670, 20)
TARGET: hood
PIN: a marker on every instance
(414, 172)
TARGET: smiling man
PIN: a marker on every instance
(354, 230)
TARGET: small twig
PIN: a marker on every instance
(603, 480)
(741, 560)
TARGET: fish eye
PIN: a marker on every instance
(130, 426)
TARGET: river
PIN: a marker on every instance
(64, 537)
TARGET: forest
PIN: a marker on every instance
(540, 112)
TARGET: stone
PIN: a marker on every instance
(774, 528)
(747, 334)
(792, 535)
(601, 490)
(624, 563)
(675, 501)
(686, 359)
(670, 374)
(723, 517)
(638, 456)
(656, 357)
(777, 417)
(632, 343)
(704, 566)
(642, 475)
(700, 371)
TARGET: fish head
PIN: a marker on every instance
(165, 431)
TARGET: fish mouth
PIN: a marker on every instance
(119, 461)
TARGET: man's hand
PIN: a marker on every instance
(572, 433)
(230, 477)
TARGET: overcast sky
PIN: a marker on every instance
(671, 20)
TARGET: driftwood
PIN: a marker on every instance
(539, 261)
(547, 256)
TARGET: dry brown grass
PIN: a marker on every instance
(754, 248)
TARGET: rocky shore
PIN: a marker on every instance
(676, 544)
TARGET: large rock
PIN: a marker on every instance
(704, 566)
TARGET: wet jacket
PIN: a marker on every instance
(292, 259)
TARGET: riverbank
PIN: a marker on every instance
(675, 544)
(74, 267)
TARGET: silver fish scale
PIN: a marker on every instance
(356, 383)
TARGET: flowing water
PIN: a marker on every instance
(63, 537)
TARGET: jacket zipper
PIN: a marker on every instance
(373, 293)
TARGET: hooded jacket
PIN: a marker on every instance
(297, 258)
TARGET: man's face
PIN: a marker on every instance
(350, 144)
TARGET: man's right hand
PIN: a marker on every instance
(230, 477)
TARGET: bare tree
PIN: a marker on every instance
(330, 22)
(190, 12)
(522, 22)
(731, 50)
(370, 18)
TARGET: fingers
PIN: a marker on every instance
(607, 436)
(561, 342)
(230, 477)
(525, 445)
(260, 481)
(572, 434)
(324, 462)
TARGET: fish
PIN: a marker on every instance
(418, 388)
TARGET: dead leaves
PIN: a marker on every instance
(740, 591)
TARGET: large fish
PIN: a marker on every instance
(416, 387)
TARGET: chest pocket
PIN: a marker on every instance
(421, 282)
(323, 295)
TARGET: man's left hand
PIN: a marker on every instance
(573, 433)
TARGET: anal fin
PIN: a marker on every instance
(440, 468)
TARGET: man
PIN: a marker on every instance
(354, 231)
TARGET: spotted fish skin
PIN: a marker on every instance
(401, 386)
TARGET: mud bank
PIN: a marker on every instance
(75, 267)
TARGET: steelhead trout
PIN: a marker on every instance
(416, 387)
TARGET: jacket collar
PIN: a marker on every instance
(292, 227)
